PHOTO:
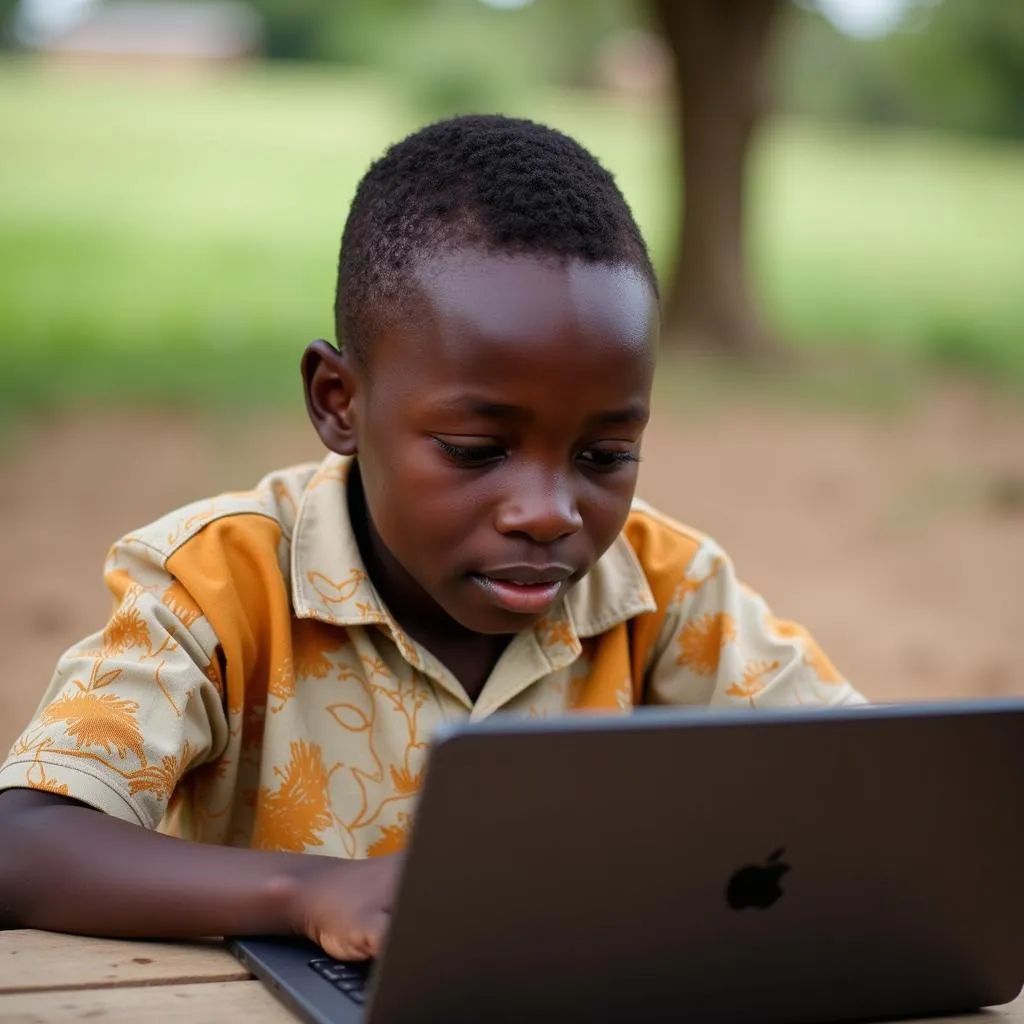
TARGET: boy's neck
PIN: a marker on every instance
(469, 656)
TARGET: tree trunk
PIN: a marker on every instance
(720, 49)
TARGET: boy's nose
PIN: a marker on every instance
(545, 511)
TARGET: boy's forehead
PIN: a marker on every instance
(526, 299)
(514, 335)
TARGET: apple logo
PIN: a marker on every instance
(757, 885)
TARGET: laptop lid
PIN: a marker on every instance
(780, 866)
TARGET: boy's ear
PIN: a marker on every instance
(330, 384)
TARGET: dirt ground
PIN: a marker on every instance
(897, 539)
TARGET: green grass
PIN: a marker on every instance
(903, 241)
(176, 241)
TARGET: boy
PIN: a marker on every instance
(277, 660)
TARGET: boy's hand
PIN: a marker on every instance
(346, 908)
(127, 881)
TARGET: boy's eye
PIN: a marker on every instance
(471, 455)
(604, 460)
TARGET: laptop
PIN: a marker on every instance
(783, 866)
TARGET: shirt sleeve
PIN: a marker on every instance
(721, 646)
(130, 709)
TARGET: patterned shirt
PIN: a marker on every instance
(252, 689)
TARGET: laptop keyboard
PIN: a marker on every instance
(351, 978)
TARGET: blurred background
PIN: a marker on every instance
(832, 190)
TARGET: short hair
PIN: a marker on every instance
(501, 183)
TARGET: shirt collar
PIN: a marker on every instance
(330, 582)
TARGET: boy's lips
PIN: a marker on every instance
(524, 589)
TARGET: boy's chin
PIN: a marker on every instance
(474, 612)
(494, 622)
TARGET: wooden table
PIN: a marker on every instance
(47, 978)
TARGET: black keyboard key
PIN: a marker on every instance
(350, 978)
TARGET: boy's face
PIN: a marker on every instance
(497, 430)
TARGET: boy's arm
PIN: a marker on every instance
(132, 708)
(130, 711)
(66, 867)
(721, 646)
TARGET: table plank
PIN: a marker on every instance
(211, 1002)
(48, 977)
(37, 961)
(1012, 1013)
(219, 1001)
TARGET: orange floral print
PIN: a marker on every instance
(331, 592)
(180, 602)
(555, 632)
(405, 782)
(51, 786)
(785, 630)
(126, 630)
(282, 685)
(98, 720)
(689, 585)
(701, 642)
(163, 777)
(393, 838)
(311, 644)
(823, 668)
(292, 816)
(212, 672)
(813, 654)
(192, 523)
(753, 680)
(283, 496)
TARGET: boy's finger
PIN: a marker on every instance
(377, 932)
(351, 946)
